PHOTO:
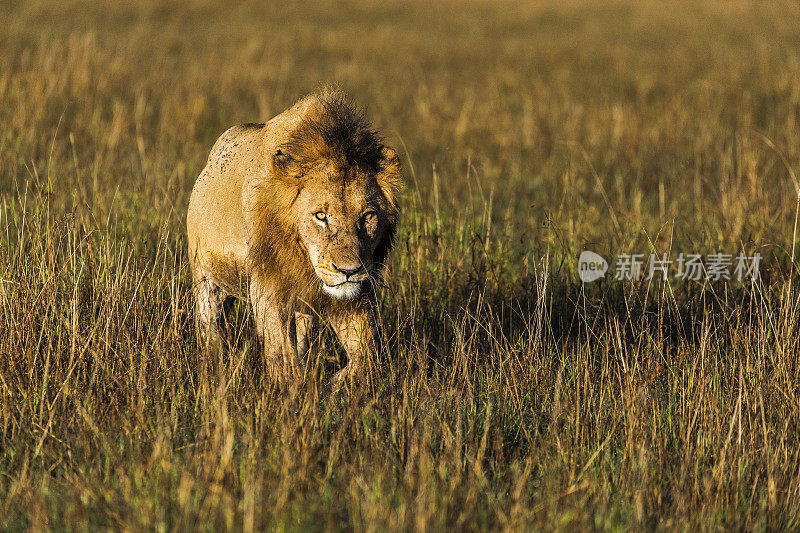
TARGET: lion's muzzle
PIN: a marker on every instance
(343, 281)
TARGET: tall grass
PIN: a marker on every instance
(515, 397)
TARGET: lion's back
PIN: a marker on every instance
(215, 222)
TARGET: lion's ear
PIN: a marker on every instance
(389, 159)
(282, 163)
(389, 178)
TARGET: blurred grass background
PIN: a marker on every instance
(515, 397)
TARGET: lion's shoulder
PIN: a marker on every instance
(238, 144)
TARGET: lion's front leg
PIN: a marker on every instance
(359, 335)
(209, 303)
(304, 326)
(274, 324)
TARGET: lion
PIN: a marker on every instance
(296, 216)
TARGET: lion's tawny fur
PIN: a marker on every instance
(297, 216)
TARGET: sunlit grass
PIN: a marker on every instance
(515, 397)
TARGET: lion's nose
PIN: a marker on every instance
(348, 270)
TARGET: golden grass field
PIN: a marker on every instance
(514, 396)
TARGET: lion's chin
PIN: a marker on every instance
(345, 291)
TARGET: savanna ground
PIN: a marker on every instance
(514, 396)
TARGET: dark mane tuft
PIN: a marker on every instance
(334, 130)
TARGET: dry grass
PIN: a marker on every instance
(515, 397)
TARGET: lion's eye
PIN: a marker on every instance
(368, 217)
(321, 216)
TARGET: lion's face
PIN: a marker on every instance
(342, 223)
(333, 192)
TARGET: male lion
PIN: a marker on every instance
(297, 216)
